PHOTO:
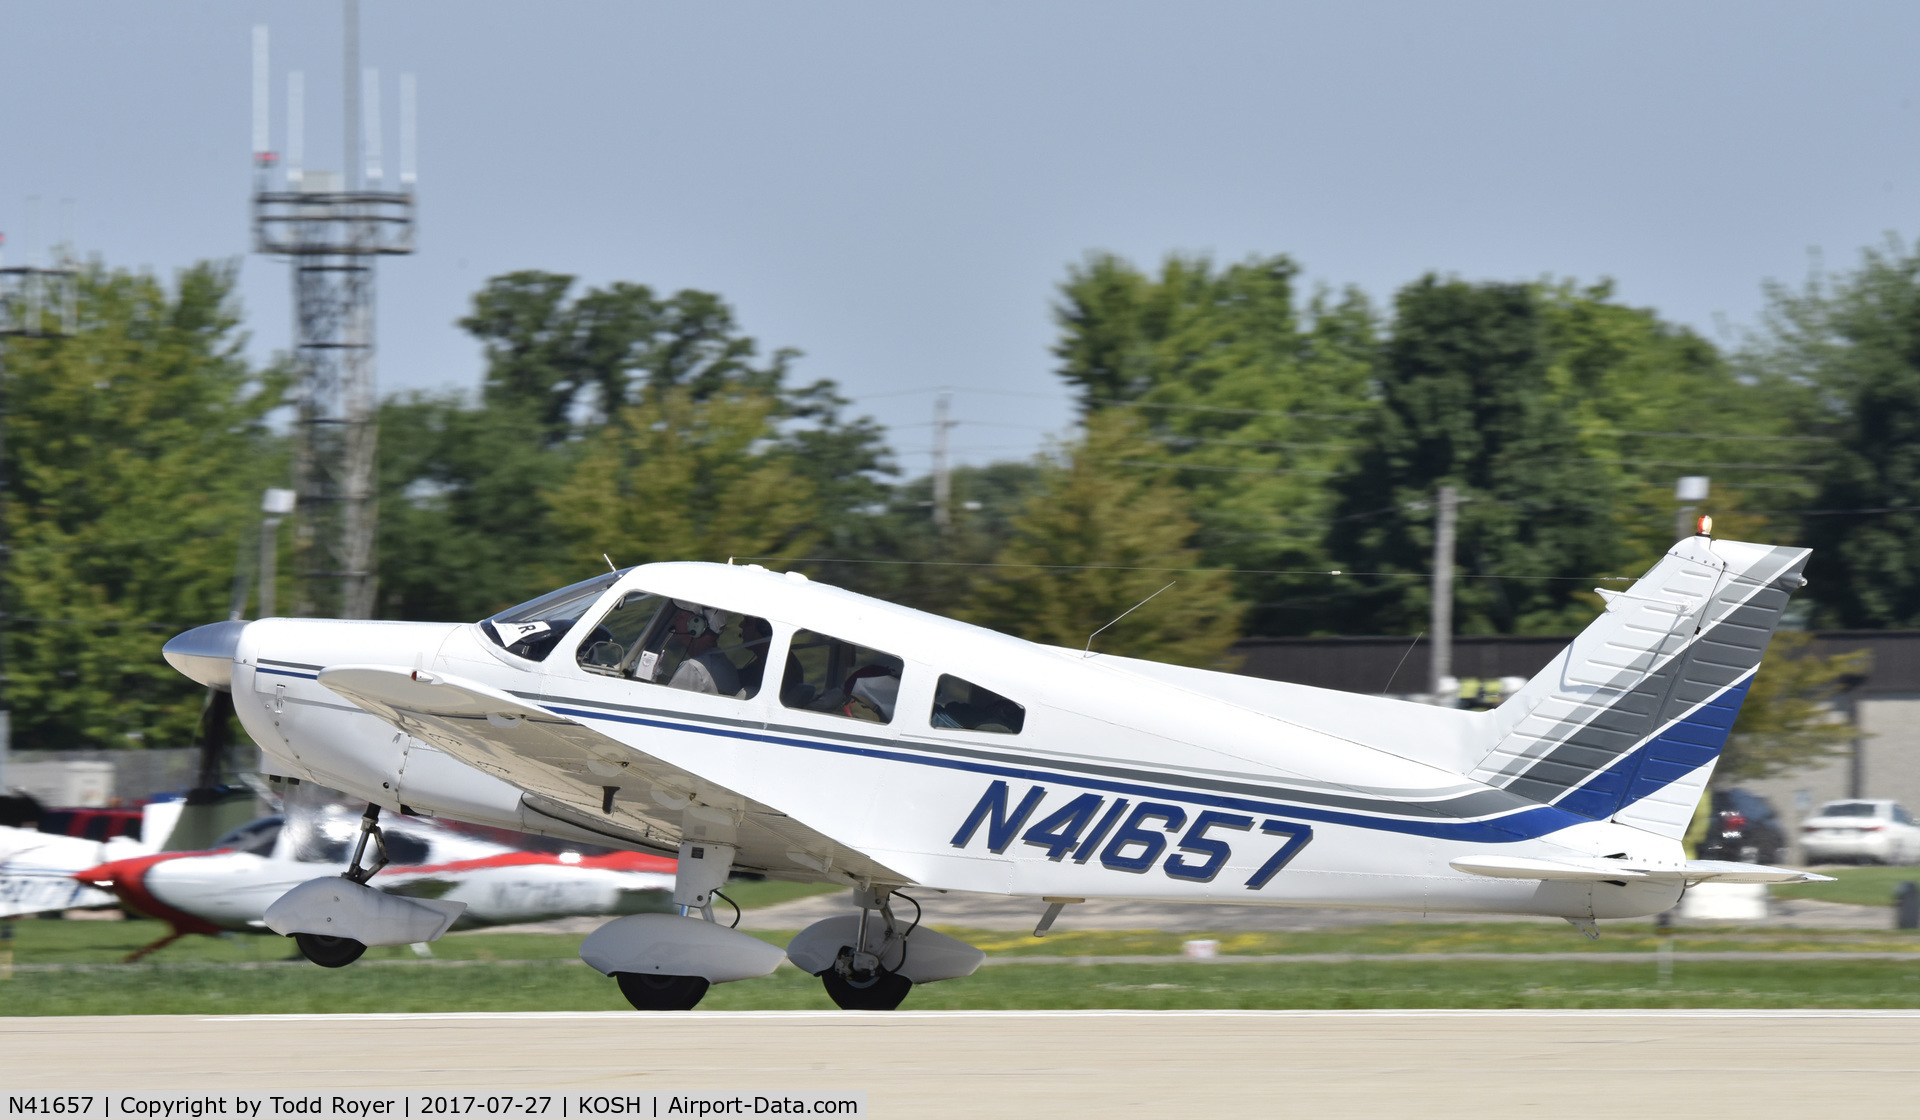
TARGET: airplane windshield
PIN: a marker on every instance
(532, 629)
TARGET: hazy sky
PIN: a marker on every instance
(896, 189)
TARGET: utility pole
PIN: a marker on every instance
(1446, 509)
(34, 303)
(332, 227)
(942, 474)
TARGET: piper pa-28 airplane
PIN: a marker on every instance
(753, 721)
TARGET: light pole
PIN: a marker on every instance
(1690, 490)
(276, 504)
(1446, 509)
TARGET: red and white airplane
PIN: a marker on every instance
(747, 719)
(230, 887)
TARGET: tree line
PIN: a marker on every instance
(1268, 448)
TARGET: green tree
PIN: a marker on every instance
(1094, 542)
(1249, 400)
(466, 524)
(1653, 401)
(903, 557)
(1854, 341)
(1788, 719)
(567, 360)
(136, 453)
(1468, 400)
(678, 477)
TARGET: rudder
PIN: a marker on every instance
(1628, 721)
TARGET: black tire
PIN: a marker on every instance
(328, 952)
(647, 992)
(882, 993)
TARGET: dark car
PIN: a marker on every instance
(1743, 827)
(92, 824)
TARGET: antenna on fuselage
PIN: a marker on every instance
(609, 561)
(1088, 652)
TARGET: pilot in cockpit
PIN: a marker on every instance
(705, 668)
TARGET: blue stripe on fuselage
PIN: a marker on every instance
(1527, 824)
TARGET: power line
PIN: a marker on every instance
(1217, 408)
(1714, 435)
(1332, 573)
(1151, 465)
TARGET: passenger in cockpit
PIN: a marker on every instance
(756, 637)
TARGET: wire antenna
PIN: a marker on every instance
(296, 126)
(350, 119)
(1088, 652)
(409, 137)
(370, 105)
(262, 143)
(1401, 664)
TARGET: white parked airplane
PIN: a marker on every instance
(231, 886)
(748, 720)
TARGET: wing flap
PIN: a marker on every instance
(1612, 870)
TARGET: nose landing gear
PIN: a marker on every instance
(339, 952)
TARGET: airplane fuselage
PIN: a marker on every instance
(1058, 775)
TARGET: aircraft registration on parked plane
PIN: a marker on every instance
(746, 720)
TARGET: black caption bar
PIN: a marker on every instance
(301, 1105)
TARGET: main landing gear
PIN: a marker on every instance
(865, 975)
(870, 961)
(666, 962)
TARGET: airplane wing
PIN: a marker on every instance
(37, 890)
(36, 872)
(1603, 870)
(574, 774)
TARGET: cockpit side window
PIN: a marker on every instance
(840, 678)
(532, 629)
(966, 706)
(680, 644)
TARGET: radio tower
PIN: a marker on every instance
(331, 226)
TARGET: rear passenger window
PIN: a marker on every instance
(840, 678)
(968, 707)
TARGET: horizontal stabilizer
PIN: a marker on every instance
(1603, 870)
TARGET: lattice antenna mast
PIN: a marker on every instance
(331, 226)
(35, 302)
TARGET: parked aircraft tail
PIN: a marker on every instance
(1628, 721)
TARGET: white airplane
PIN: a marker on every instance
(747, 720)
(37, 868)
(231, 886)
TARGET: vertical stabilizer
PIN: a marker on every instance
(1628, 721)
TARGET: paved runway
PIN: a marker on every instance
(1436, 1064)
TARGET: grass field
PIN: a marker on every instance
(1861, 886)
(540, 972)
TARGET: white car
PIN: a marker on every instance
(1860, 832)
